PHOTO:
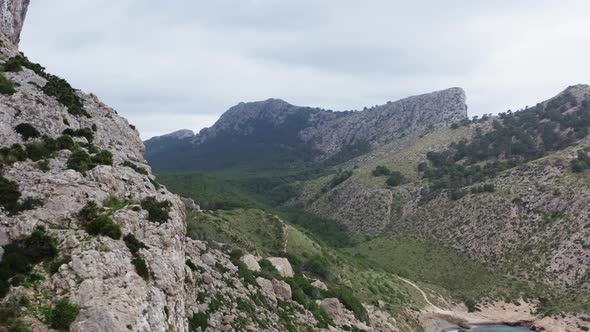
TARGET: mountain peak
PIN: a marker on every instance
(12, 18)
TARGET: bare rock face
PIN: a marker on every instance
(12, 17)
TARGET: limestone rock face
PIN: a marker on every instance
(282, 289)
(12, 17)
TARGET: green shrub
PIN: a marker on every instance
(26, 130)
(65, 94)
(43, 165)
(318, 265)
(21, 255)
(9, 317)
(381, 170)
(6, 85)
(200, 320)
(82, 132)
(89, 212)
(138, 169)
(337, 179)
(38, 150)
(395, 179)
(157, 211)
(103, 225)
(65, 142)
(80, 161)
(141, 267)
(9, 194)
(245, 273)
(62, 315)
(16, 63)
(104, 157)
(133, 243)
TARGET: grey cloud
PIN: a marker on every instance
(178, 64)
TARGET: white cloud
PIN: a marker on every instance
(174, 65)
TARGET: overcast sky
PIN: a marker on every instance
(168, 65)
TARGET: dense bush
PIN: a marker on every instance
(16, 63)
(7, 87)
(80, 161)
(82, 132)
(138, 169)
(104, 225)
(319, 266)
(141, 267)
(381, 170)
(26, 130)
(157, 211)
(133, 243)
(199, 322)
(337, 179)
(89, 212)
(582, 162)
(9, 194)
(103, 157)
(20, 256)
(395, 179)
(65, 94)
(10, 311)
(62, 315)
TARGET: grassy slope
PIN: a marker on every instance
(260, 232)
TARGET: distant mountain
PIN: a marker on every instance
(275, 133)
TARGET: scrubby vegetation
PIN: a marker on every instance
(395, 179)
(104, 225)
(7, 87)
(138, 169)
(337, 179)
(10, 311)
(381, 171)
(65, 94)
(157, 211)
(62, 315)
(20, 256)
(515, 138)
(96, 223)
(141, 267)
(133, 243)
(55, 87)
(26, 130)
(582, 161)
(82, 132)
(82, 162)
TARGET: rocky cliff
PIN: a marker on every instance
(12, 17)
(289, 134)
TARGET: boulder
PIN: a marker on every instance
(319, 285)
(281, 289)
(267, 288)
(282, 265)
(251, 262)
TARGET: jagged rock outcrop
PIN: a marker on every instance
(12, 17)
(278, 130)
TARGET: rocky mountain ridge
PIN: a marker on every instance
(316, 133)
